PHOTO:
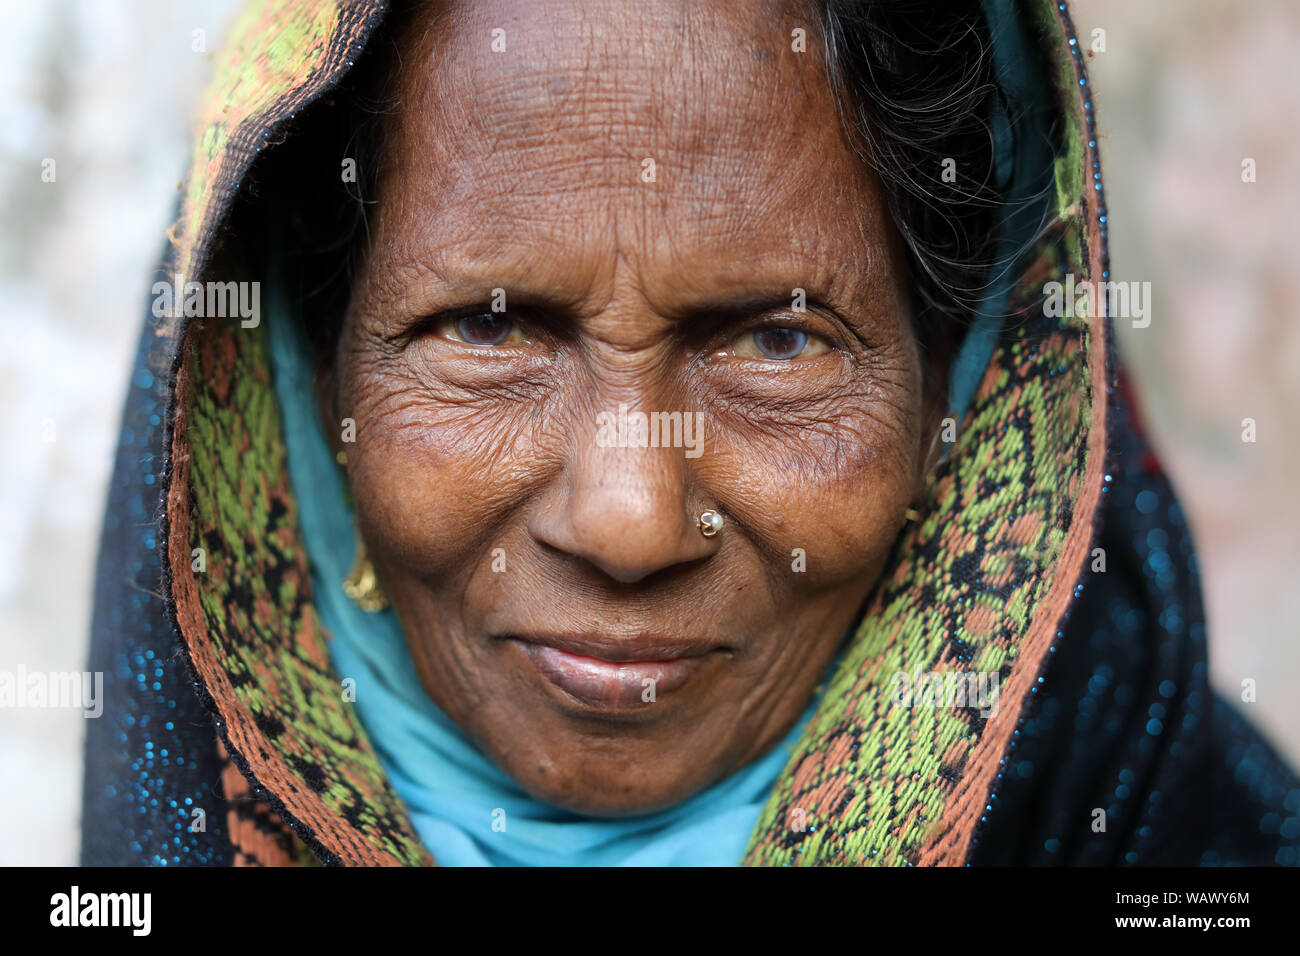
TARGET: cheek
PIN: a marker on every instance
(431, 479)
(831, 489)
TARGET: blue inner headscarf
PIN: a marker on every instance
(1022, 172)
(467, 811)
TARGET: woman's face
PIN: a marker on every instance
(639, 190)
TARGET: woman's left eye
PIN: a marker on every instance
(484, 329)
(779, 344)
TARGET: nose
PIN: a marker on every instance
(623, 510)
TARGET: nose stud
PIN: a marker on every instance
(709, 523)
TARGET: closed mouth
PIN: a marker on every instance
(618, 650)
(613, 675)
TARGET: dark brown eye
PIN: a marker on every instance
(486, 328)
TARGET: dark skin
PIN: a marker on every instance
(476, 430)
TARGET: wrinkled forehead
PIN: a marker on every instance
(536, 94)
(664, 132)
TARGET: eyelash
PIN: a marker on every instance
(453, 321)
(436, 324)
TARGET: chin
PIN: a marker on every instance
(608, 788)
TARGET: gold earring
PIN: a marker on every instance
(362, 584)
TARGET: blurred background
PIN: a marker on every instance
(1185, 89)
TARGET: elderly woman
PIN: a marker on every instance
(651, 433)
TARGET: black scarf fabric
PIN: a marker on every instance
(1130, 757)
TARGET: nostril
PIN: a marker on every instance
(635, 574)
(627, 550)
(627, 512)
(624, 575)
(634, 556)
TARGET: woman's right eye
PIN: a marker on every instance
(484, 329)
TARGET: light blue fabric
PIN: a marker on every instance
(451, 788)
(1023, 166)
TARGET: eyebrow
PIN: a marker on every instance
(734, 308)
(433, 291)
(764, 286)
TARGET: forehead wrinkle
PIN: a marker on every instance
(821, 229)
(427, 271)
(719, 196)
(550, 102)
(531, 145)
(666, 251)
(626, 88)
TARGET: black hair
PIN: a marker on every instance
(916, 86)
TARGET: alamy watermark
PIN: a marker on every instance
(974, 689)
(130, 910)
(1077, 298)
(212, 300)
(633, 429)
(53, 689)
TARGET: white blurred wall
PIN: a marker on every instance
(104, 88)
(1188, 89)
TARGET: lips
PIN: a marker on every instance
(613, 675)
